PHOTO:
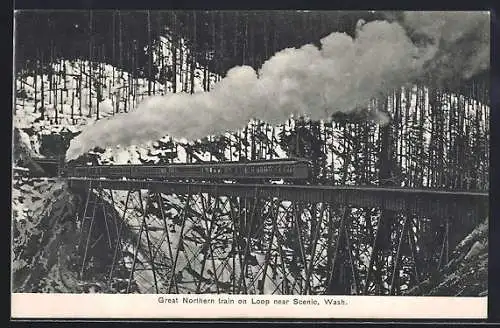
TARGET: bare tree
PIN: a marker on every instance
(173, 47)
(91, 47)
(193, 53)
(150, 54)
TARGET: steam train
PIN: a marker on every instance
(289, 169)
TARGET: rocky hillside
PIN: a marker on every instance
(48, 243)
(466, 274)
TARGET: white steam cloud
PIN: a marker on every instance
(342, 75)
(462, 39)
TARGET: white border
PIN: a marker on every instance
(66, 306)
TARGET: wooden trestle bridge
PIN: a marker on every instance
(172, 237)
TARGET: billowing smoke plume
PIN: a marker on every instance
(340, 76)
(462, 40)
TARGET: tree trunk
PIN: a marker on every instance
(98, 86)
(266, 37)
(120, 43)
(221, 44)
(251, 41)
(42, 99)
(79, 89)
(236, 31)
(35, 74)
(181, 66)
(72, 106)
(50, 72)
(91, 46)
(245, 40)
(386, 179)
(174, 46)
(134, 75)
(150, 54)
(193, 54)
(113, 52)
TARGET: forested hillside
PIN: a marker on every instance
(78, 70)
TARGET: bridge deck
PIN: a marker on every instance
(424, 202)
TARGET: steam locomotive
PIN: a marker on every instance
(289, 169)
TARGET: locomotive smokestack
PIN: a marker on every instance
(342, 75)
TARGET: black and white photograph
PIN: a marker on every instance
(279, 152)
